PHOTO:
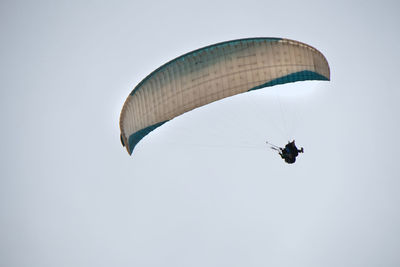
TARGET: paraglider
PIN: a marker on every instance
(212, 73)
(289, 152)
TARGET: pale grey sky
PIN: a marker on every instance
(204, 189)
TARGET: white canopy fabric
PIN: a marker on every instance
(212, 73)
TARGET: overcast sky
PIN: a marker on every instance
(203, 189)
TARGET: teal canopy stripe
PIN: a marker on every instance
(137, 136)
(304, 75)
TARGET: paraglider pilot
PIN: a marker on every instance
(290, 152)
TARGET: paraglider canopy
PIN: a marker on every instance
(212, 73)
